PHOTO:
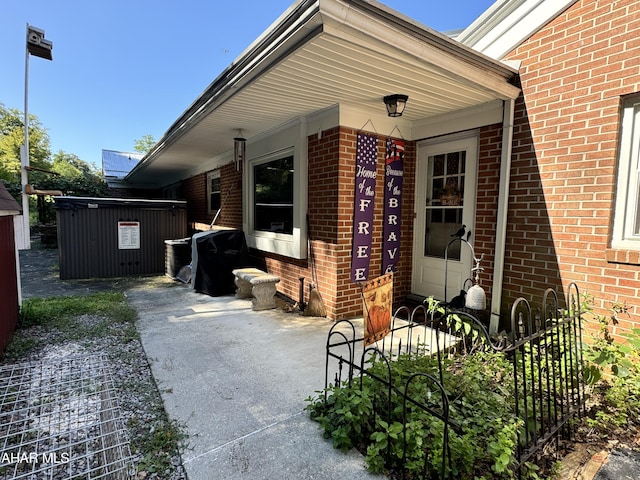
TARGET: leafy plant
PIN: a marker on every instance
(613, 369)
(482, 443)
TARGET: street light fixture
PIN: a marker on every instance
(38, 46)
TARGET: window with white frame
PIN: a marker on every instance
(626, 229)
(274, 204)
(273, 195)
(213, 191)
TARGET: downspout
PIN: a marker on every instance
(503, 208)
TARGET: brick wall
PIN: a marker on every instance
(484, 236)
(348, 294)
(135, 193)
(323, 227)
(331, 170)
(230, 197)
(194, 191)
(574, 73)
(330, 205)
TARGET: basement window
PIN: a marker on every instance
(626, 227)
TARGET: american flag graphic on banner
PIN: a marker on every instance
(364, 202)
(394, 151)
(393, 175)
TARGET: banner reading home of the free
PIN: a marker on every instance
(393, 174)
(365, 188)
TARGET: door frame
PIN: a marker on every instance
(468, 141)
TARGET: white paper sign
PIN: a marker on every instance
(128, 235)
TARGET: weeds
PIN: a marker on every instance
(105, 323)
(61, 312)
(613, 370)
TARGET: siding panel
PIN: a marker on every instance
(88, 243)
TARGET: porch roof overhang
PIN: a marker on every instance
(321, 54)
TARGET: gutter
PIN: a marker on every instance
(301, 22)
(434, 38)
(295, 22)
(503, 208)
(508, 23)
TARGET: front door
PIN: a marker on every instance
(445, 201)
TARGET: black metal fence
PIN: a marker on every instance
(543, 347)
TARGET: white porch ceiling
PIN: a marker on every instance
(320, 54)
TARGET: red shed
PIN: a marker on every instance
(9, 291)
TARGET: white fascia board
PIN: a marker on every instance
(508, 23)
(452, 60)
(466, 119)
(9, 213)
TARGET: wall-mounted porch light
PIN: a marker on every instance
(239, 150)
(395, 104)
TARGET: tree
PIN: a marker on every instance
(144, 144)
(70, 175)
(11, 138)
(65, 172)
(77, 177)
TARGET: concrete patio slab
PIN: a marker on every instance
(237, 379)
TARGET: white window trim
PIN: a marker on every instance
(210, 176)
(628, 183)
(293, 142)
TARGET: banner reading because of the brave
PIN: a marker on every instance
(365, 188)
(393, 173)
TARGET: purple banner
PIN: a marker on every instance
(393, 173)
(365, 190)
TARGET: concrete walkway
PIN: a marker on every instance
(238, 380)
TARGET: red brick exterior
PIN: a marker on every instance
(330, 205)
(484, 237)
(331, 173)
(194, 191)
(574, 72)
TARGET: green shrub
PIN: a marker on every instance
(484, 436)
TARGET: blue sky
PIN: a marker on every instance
(125, 69)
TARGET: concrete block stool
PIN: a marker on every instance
(252, 282)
